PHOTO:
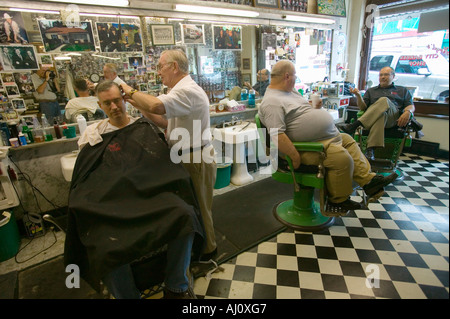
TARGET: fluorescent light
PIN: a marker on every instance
(214, 10)
(34, 10)
(113, 3)
(63, 58)
(309, 19)
(107, 15)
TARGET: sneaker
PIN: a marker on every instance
(348, 204)
(188, 294)
(347, 128)
(378, 183)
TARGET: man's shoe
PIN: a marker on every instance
(208, 256)
(377, 184)
(369, 154)
(188, 294)
(347, 128)
(346, 205)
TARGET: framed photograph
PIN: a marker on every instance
(18, 57)
(57, 37)
(162, 34)
(246, 64)
(115, 37)
(12, 29)
(24, 82)
(18, 104)
(266, 3)
(192, 33)
(143, 87)
(294, 5)
(135, 62)
(332, 8)
(227, 37)
(46, 60)
(268, 40)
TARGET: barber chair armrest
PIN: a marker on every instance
(308, 146)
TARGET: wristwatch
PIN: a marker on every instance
(132, 92)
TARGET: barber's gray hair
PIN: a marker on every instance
(105, 86)
(179, 57)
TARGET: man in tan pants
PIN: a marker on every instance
(384, 106)
(289, 117)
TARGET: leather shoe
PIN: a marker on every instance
(208, 256)
(348, 204)
(378, 183)
(347, 128)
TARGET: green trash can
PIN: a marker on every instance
(9, 236)
(223, 173)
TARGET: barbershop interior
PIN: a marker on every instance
(277, 235)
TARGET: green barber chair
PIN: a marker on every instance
(302, 212)
(386, 158)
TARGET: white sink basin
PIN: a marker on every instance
(67, 165)
(236, 134)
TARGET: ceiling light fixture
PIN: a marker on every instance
(214, 10)
(34, 10)
(113, 3)
(309, 19)
(107, 15)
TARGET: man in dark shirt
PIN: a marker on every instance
(386, 105)
(262, 84)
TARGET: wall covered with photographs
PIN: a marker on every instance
(215, 50)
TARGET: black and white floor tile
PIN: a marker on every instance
(398, 249)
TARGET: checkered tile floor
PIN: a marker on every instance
(396, 249)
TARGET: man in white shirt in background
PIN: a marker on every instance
(84, 103)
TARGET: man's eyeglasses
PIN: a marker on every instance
(159, 67)
(115, 101)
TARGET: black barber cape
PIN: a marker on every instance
(127, 199)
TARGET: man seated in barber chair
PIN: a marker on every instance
(385, 106)
(127, 201)
(287, 113)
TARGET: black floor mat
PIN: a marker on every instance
(243, 217)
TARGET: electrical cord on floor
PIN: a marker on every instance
(27, 178)
(32, 238)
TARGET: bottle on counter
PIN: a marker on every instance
(38, 132)
(22, 139)
(251, 98)
(81, 120)
(57, 129)
(46, 128)
(27, 132)
(244, 94)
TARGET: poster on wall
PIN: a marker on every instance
(115, 37)
(332, 8)
(57, 37)
(295, 5)
(192, 33)
(227, 37)
(12, 28)
(18, 57)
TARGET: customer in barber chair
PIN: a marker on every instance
(83, 104)
(127, 199)
(294, 119)
(385, 106)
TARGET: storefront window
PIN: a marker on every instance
(420, 59)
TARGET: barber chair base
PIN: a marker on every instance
(302, 213)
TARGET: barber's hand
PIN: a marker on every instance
(47, 76)
(247, 85)
(403, 119)
(126, 89)
(354, 91)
